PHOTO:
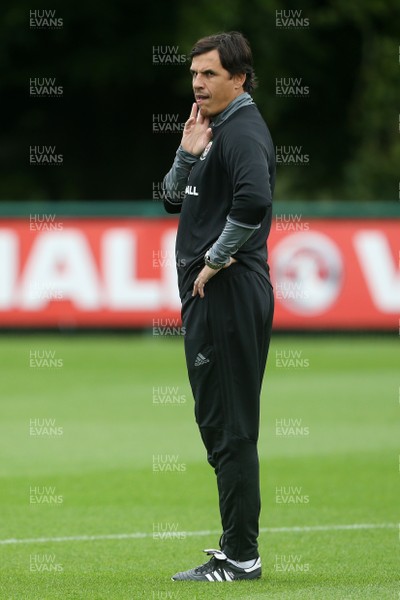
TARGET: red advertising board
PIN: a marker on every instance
(327, 274)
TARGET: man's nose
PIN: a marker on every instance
(198, 81)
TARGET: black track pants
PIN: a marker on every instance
(226, 345)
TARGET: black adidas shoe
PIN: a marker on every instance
(218, 568)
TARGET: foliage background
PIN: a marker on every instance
(103, 58)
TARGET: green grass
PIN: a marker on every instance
(102, 467)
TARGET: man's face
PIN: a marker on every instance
(213, 86)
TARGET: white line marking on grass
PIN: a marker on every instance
(133, 536)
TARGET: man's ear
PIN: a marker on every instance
(239, 80)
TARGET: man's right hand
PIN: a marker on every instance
(196, 133)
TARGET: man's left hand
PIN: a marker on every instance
(205, 275)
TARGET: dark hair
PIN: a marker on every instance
(234, 53)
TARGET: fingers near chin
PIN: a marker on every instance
(193, 112)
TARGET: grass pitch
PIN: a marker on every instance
(105, 489)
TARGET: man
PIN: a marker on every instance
(226, 166)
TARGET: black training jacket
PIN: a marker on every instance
(234, 176)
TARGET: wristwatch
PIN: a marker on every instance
(211, 264)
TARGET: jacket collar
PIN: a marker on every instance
(243, 100)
